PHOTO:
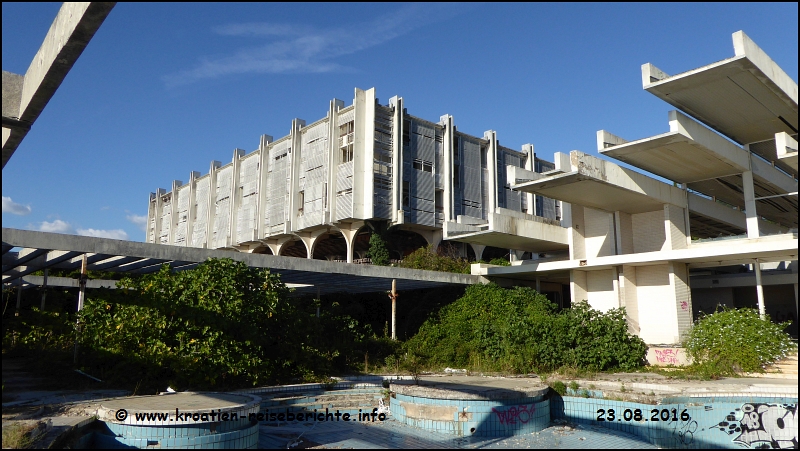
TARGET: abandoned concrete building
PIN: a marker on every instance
(715, 222)
(311, 193)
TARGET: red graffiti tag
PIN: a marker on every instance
(668, 355)
(523, 413)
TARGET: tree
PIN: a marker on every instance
(378, 252)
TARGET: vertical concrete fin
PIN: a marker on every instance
(652, 74)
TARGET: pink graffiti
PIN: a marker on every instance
(523, 413)
(668, 355)
(684, 305)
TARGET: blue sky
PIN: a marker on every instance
(163, 89)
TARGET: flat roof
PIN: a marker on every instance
(50, 250)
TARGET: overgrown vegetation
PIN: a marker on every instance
(428, 258)
(221, 325)
(733, 341)
(518, 330)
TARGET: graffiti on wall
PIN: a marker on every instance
(522, 413)
(668, 355)
(763, 425)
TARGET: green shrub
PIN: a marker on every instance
(519, 330)
(736, 340)
(427, 258)
(559, 387)
(378, 252)
(500, 262)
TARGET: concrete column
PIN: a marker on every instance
(578, 286)
(515, 255)
(294, 174)
(44, 288)
(447, 170)
(190, 214)
(750, 205)
(212, 202)
(491, 169)
(627, 285)
(157, 216)
(19, 298)
(236, 201)
(173, 211)
(310, 240)
(433, 237)
(674, 227)
(623, 224)
(364, 154)
(538, 284)
(530, 165)
(478, 249)
(333, 160)
(397, 158)
(576, 234)
(263, 194)
(350, 231)
(759, 290)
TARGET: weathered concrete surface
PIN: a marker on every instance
(240, 403)
(70, 33)
(471, 387)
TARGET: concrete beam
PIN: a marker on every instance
(70, 33)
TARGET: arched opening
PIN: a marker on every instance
(263, 249)
(294, 248)
(330, 246)
(491, 252)
(453, 249)
(403, 242)
(361, 243)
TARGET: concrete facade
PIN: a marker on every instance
(362, 163)
(723, 223)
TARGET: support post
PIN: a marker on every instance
(19, 298)
(44, 288)
(750, 205)
(81, 294)
(393, 296)
(759, 290)
(318, 301)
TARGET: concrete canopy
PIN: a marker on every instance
(42, 250)
(710, 254)
(509, 241)
(603, 192)
(747, 98)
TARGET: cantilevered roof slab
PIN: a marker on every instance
(508, 229)
(508, 241)
(42, 250)
(603, 185)
(688, 153)
(747, 98)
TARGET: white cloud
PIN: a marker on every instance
(116, 234)
(139, 220)
(57, 226)
(9, 206)
(302, 49)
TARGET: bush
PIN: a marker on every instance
(736, 340)
(427, 258)
(378, 252)
(499, 262)
(519, 330)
